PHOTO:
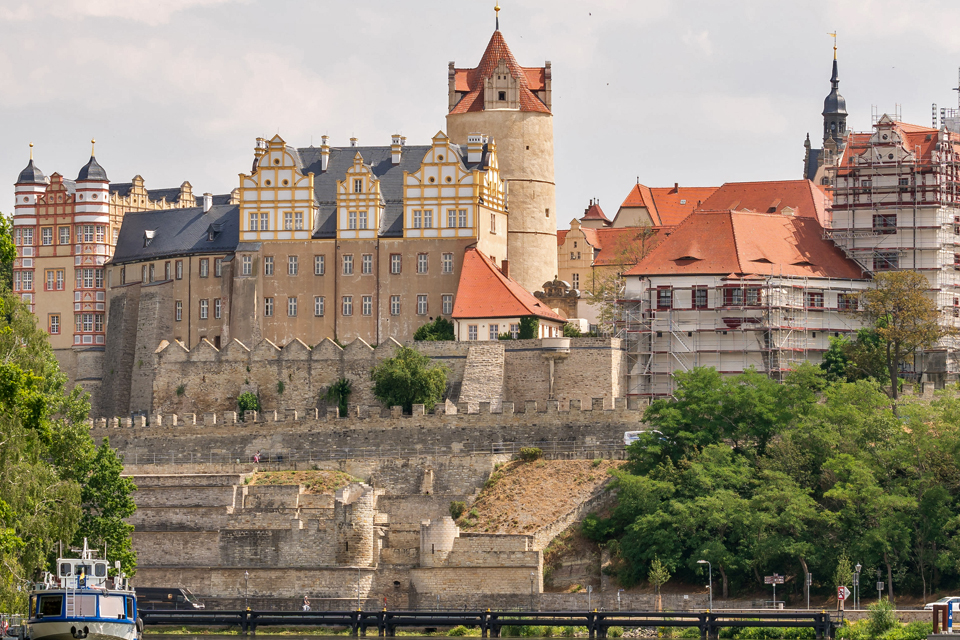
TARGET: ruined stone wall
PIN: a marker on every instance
(593, 368)
(118, 359)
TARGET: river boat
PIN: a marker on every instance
(82, 602)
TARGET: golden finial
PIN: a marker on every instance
(834, 34)
(31, 151)
(496, 8)
(93, 147)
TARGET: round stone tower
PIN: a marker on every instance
(511, 104)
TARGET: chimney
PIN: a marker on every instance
(207, 202)
(324, 152)
(475, 147)
(676, 187)
(505, 268)
(261, 148)
(403, 141)
(395, 147)
(353, 142)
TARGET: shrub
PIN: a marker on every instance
(505, 336)
(280, 387)
(247, 402)
(181, 389)
(529, 327)
(409, 378)
(529, 454)
(492, 480)
(615, 632)
(474, 514)
(597, 462)
(439, 329)
(339, 392)
(571, 331)
(457, 507)
(883, 617)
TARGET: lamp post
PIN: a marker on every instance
(246, 578)
(710, 570)
(533, 577)
(856, 586)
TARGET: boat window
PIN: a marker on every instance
(129, 607)
(64, 568)
(85, 606)
(111, 607)
(181, 599)
(49, 606)
(101, 570)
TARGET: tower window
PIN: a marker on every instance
(501, 96)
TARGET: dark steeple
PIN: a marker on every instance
(92, 171)
(31, 174)
(834, 109)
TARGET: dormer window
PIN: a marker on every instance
(502, 96)
(148, 236)
(358, 186)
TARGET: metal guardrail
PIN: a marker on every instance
(551, 449)
(491, 623)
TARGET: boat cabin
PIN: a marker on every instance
(82, 573)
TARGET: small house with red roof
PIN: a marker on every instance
(736, 289)
(489, 303)
(659, 206)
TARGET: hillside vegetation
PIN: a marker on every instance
(523, 496)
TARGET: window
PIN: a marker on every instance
(446, 263)
(493, 223)
(143, 275)
(501, 96)
(98, 278)
(123, 275)
(153, 273)
(116, 232)
(268, 266)
(428, 218)
(463, 218)
(179, 310)
(494, 331)
(101, 231)
(886, 260)
(733, 296)
(27, 280)
(268, 307)
(217, 308)
(16, 281)
(366, 264)
(753, 296)
(246, 265)
(422, 262)
(421, 304)
(292, 307)
(348, 265)
(451, 218)
(515, 331)
(60, 279)
(358, 185)
(54, 324)
(51, 279)
(298, 221)
(347, 305)
(396, 262)
(319, 265)
(885, 223)
(352, 220)
(288, 221)
(847, 302)
(472, 332)
(318, 304)
(253, 221)
(700, 298)
(166, 270)
(576, 281)
(264, 222)
(293, 265)
(904, 182)
(366, 305)
(28, 236)
(217, 267)
(85, 278)
(664, 297)
(179, 269)
(88, 233)
(813, 299)
(46, 235)
(866, 183)
(204, 267)
(204, 309)
(417, 218)
(394, 305)
(447, 304)
(362, 222)
(64, 235)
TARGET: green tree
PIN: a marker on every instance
(7, 253)
(843, 576)
(339, 392)
(439, 329)
(658, 576)
(529, 328)
(409, 378)
(907, 318)
(571, 331)
(247, 401)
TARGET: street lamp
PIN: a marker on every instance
(710, 570)
(533, 577)
(856, 587)
(246, 578)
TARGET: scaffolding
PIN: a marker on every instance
(768, 323)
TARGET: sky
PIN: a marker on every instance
(691, 92)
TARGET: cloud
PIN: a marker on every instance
(699, 41)
(152, 12)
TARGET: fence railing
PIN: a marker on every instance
(612, 449)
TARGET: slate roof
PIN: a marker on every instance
(31, 174)
(172, 194)
(177, 232)
(484, 292)
(471, 80)
(92, 171)
(745, 244)
(813, 164)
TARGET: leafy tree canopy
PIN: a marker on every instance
(409, 378)
(439, 329)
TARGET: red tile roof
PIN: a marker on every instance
(594, 212)
(806, 200)
(484, 292)
(741, 244)
(914, 136)
(471, 80)
(611, 240)
(667, 206)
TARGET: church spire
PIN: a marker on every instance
(834, 106)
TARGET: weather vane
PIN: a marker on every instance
(834, 34)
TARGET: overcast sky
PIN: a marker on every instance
(698, 92)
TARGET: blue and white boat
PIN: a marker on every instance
(81, 602)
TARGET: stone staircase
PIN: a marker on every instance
(483, 375)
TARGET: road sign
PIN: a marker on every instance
(843, 593)
(879, 586)
(774, 579)
(809, 579)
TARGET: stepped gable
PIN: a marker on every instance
(801, 198)
(484, 292)
(742, 244)
(471, 81)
